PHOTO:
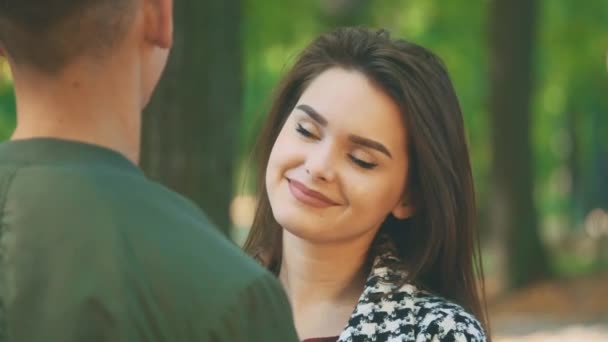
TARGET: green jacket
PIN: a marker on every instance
(91, 250)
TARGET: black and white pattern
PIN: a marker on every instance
(387, 313)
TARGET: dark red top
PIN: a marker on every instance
(322, 339)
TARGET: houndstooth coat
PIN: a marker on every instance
(387, 313)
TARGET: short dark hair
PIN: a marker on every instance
(439, 243)
(48, 34)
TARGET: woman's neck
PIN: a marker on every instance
(323, 280)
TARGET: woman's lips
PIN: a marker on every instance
(307, 196)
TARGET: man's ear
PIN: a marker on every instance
(159, 22)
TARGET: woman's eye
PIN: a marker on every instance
(362, 163)
(304, 132)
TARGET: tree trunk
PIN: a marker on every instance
(512, 211)
(191, 125)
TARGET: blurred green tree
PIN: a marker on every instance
(512, 32)
(191, 127)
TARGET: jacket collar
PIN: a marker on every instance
(387, 271)
(386, 275)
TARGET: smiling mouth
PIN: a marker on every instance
(307, 196)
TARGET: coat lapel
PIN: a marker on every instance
(376, 306)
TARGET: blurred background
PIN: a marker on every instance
(532, 78)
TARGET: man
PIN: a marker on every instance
(91, 250)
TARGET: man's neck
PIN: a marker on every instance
(101, 108)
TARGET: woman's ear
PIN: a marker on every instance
(404, 209)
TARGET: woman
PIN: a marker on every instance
(366, 203)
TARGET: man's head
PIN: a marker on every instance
(48, 34)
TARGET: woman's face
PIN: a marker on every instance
(339, 165)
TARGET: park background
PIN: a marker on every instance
(532, 78)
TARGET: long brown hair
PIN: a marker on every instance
(439, 243)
